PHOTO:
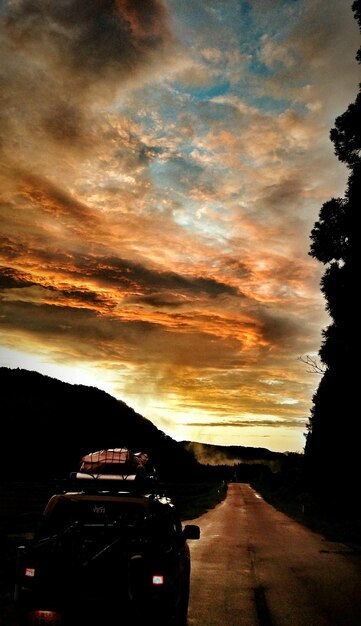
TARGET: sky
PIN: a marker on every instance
(162, 166)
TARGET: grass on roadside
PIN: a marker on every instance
(195, 499)
(334, 522)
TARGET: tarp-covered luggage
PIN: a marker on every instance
(115, 463)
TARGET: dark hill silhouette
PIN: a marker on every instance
(48, 425)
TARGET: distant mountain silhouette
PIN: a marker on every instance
(211, 454)
(47, 426)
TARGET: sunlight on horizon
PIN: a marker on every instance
(172, 422)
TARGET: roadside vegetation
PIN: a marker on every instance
(195, 499)
(337, 518)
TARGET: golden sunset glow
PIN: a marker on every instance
(162, 165)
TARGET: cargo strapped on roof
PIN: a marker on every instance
(115, 461)
(114, 469)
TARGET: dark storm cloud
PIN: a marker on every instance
(158, 301)
(279, 328)
(279, 197)
(54, 321)
(12, 279)
(98, 337)
(90, 37)
(86, 297)
(123, 272)
(135, 281)
(60, 58)
(65, 123)
(50, 198)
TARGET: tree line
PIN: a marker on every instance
(332, 446)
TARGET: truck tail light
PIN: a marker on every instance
(44, 618)
(30, 572)
(158, 579)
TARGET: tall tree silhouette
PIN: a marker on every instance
(332, 446)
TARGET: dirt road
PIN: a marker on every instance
(255, 567)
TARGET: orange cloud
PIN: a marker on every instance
(155, 212)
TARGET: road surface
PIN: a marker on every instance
(254, 566)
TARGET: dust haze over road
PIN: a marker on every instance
(255, 566)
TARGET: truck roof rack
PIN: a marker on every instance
(113, 483)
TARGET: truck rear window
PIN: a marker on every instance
(67, 512)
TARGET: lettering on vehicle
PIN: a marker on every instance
(99, 509)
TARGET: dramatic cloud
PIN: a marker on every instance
(161, 167)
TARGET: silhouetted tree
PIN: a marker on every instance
(332, 446)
